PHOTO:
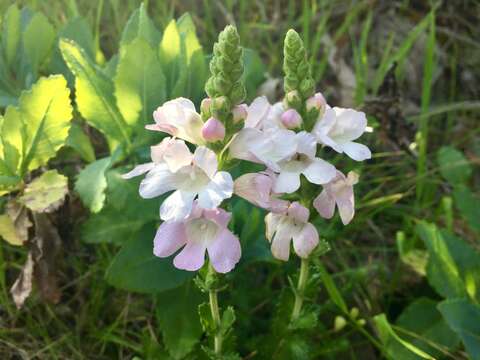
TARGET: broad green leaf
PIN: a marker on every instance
(415, 258)
(179, 320)
(78, 30)
(8, 231)
(124, 213)
(195, 58)
(424, 320)
(38, 40)
(80, 142)
(139, 83)
(454, 166)
(135, 268)
(463, 317)
(39, 126)
(46, 193)
(11, 34)
(170, 52)
(442, 271)
(91, 184)
(467, 202)
(393, 343)
(140, 26)
(95, 95)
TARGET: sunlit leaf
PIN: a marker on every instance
(139, 84)
(95, 95)
(38, 40)
(45, 193)
(140, 26)
(8, 231)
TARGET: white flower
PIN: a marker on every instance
(339, 127)
(262, 115)
(339, 191)
(189, 175)
(303, 161)
(281, 229)
(179, 118)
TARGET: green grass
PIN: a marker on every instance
(96, 321)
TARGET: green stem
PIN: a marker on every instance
(214, 309)
(300, 293)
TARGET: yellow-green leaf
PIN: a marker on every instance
(38, 127)
(38, 40)
(139, 83)
(95, 95)
(8, 232)
(46, 193)
(11, 33)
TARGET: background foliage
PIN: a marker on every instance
(80, 79)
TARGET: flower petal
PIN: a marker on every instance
(322, 128)
(319, 171)
(138, 170)
(287, 182)
(240, 146)
(177, 206)
(175, 153)
(305, 240)
(306, 144)
(158, 181)
(350, 124)
(356, 151)
(169, 238)
(274, 145)
(206, 160)
(224, 251)
(255, 188)
(257, 111)
(325, 204)
(346, 204)
(281, 240)
(218, 216)
(219, 189)
(192, 257)
(298, 212)
(271, 223)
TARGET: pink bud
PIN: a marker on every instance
(318, 102)
(213, 130)
(239, 113)
(205, 106)
(291, 119)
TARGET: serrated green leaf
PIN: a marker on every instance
(91, 184)
(140, 25)
(39, 126)
(463, 317)
(424, 320)
(45, 193)
(139, 84)
(394, 343)
(11, 34)
(454, 166)
(135, 268)
(38, 39)
(178, 319)
(95, 95)
(80, 142)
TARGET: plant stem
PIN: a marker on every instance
(212, 294)
(299, 294)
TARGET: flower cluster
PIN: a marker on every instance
(286, 138)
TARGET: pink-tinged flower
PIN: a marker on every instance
(171, 151)
(339, 127)
(196, 177)
(318, 102)
(179, 118)
(291, 119)
(257, 189)
(281, 229)
(262, 115)
(339, 191)
(213, 130)
(240, 113)
(203, 231)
